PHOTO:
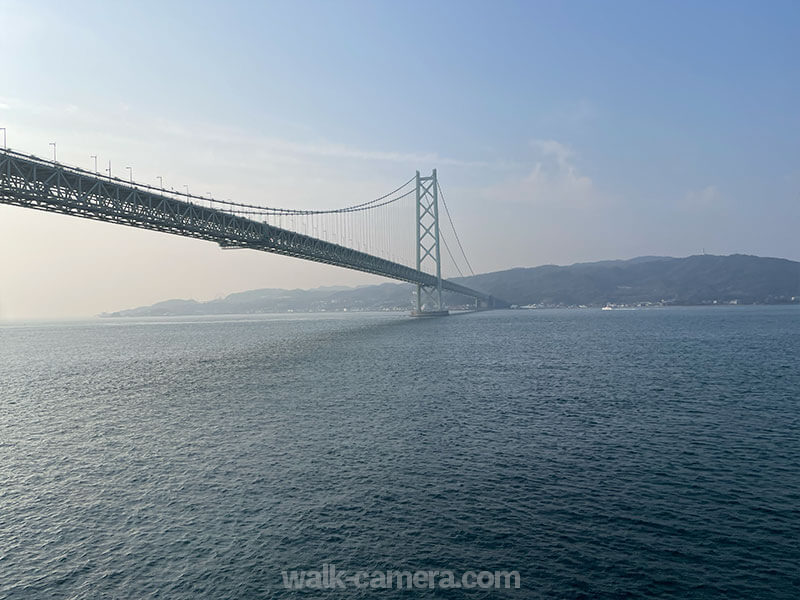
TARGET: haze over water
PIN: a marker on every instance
(602, 454)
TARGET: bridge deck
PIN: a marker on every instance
(35, 183)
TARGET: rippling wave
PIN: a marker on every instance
(602, 455)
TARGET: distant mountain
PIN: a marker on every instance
(387, 296)
(699, 279)
(703, 279)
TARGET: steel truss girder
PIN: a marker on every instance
(31, 182)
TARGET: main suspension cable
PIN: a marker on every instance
(446, 247)
(449, 218)
(255, 209)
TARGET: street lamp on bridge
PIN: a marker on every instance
(53, 144)
(94, 156)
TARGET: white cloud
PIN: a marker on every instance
(702, 198)
(122, 127)
(553, 149)
(319, 148)
(553, 180)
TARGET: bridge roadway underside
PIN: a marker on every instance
(35, 183)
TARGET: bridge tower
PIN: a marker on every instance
(429, 298)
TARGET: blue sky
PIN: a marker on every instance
(563, 131)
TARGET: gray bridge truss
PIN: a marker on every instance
(32, 182)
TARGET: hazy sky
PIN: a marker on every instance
(562, 131)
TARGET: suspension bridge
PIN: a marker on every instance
(397, 235)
